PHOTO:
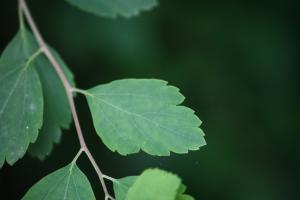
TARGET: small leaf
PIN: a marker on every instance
(154, 184)
(113, 8)
(56, 111)
(66, 183)
(21, 108)
(134, 114)
(122, 185)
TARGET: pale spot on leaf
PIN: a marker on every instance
(32, 107)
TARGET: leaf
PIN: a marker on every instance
(181, 195)
(56, 111)
(151, 183)
(185, 197)
(122, 185)
(66, 183)
(21, 108)
(49, 134)
(134, 114)
(55, 95)
(154, 184)
(113, 8)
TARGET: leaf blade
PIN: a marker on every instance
(134, 114)
(56, 111)
(149, 185)
(181, 195)
(49, 135)
(68, 182)
(113, 8)
(154, 184)
(122, 185)
(21, 109)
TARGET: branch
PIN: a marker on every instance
(68, 89)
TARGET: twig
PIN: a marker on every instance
(68, 89)
(110, 178)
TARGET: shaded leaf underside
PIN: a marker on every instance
(113, 8)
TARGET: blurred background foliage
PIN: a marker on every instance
(235, 61)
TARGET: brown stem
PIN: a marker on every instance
(68, 89)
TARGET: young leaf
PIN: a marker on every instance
(154, 184)
(66, 183)
(21, 108)
(134, 114)
(56, 109)
(113, 8)
(122, 185)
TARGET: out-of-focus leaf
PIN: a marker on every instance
(113, 8)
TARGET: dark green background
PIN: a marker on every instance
(235, 61)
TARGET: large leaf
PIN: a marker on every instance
(154, 184)
(134, 114)
(21, 108)
(66, 183)
(57, 112)
(113, 8)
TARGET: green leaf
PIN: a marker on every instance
(122, 185)
(185, 197)
(49, 134)
(134, 114)
(151, 184)
(154, 184)
(113, 8)
(181, 195)
(21, 108)
(181, 189)
(66, 183)
(55, 96)
(56, 111)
